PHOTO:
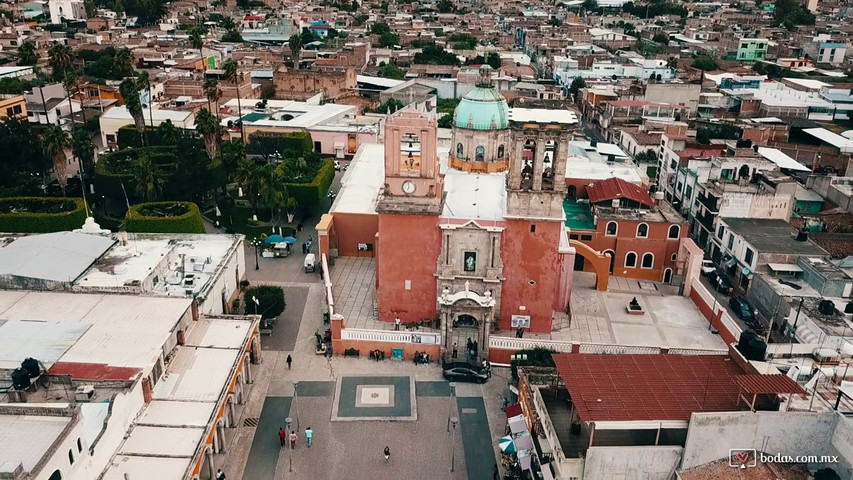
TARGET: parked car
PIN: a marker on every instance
(337, 166)
(708, 267)
(719, 283)
(464, 372)
(742, 309)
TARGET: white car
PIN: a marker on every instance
(708, 267)
(337, 166)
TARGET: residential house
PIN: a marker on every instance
(12, 106)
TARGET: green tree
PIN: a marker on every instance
(446, 121)
(27, 53)
(232, 36)
(232, 153)
(143, 82)
(55, 142)
(391, 70)
(83, 148)
(790, 13)
(380, 28)
(168, 133)
(23, 160)
(264, 300)
(208, 126)
(129, 91)
(388, 40)
(661, 37)
(148, 180)
(295, 45)
(61, 60)
(445, 6)
(248, 175)
(577, 84)
(123, 63)
(590, 5)
(118, 7)
(388, 106)
(272, 189)
(705, 63)
(435, 55)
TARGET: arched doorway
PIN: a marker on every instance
(612, 258)
(465, 328)
(667, 275)
(572, 192)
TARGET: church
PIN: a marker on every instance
(468, 236)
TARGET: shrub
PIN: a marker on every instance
(270, 301)
(312, 193)
(164, 217)
(41, 214)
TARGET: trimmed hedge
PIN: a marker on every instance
(43, 215)
(292, 143)
(307, 194)
(138, 219)
(117, 167)
(127, 136)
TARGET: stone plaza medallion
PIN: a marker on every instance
(390, 398)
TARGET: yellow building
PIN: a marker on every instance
(12, 106)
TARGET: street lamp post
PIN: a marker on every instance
(296, 402)
(450, 404)
(289, 421)
(256, 243)
(716, 289)
(453, 421)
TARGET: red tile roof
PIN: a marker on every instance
(649, 387)
(93, 371)
(611, 188)
(689, 153)
(756, 383)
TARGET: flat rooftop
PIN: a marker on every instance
(56, 257)
(170, 430)
(772, 236)
(114, 330)
(25, 439)
(362, 181)
(474, 196)
(287, 113)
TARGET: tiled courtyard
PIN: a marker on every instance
(375, 398)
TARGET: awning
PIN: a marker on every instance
(731, 262)
(784, 267)
(781, 159)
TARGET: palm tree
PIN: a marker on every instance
(208, 126)
(248, 176)
(83, 148)
(213, 93)
(232, 73)
(272, 189)
(290, 207)
(130, 94)
(168, 133)
(61, 60)
(197, 41)
(55, 141)
(144, 81)
(148, 179)
(27, 54)
(123, 62)
(295, 44)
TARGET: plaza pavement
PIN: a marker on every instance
(352, 449)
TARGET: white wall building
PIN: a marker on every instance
(117, 117)
(66, 10)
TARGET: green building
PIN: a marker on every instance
(751, 49)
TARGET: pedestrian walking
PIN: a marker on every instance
(387, 453)
(289, 361)
(282, 436)
(455, 351)
(309, 434)
(293, 438)
(397, 323)
(310, 239)
(220, 475)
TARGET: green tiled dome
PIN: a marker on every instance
(483, 108)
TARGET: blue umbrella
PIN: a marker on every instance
(273, 239)
(289, 240)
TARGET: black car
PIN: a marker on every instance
(464, 372)
(718, 283)
(742, 309)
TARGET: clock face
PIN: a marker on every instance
(408, 187)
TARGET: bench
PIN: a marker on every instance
(351, 352)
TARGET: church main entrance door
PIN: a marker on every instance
(466, 329)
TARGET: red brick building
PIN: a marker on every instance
(640, 234)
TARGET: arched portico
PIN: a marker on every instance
(465, 315)
(599, 261)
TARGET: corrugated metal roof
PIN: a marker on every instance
(58, 257)
(617, 188)
(756, 384)
(93, 371)
(648, 387)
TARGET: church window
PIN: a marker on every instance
(480, 153)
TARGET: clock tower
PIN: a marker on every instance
(412, 180)
(409, 239)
